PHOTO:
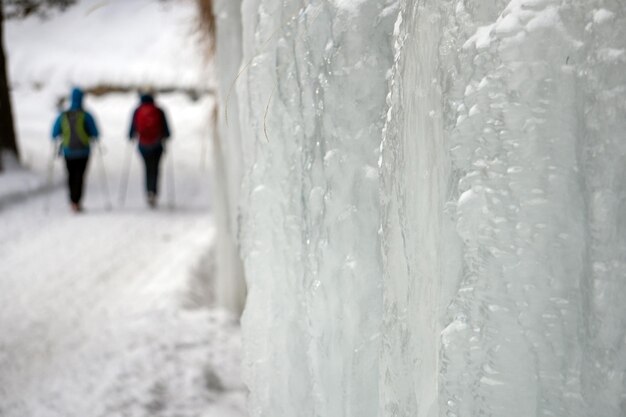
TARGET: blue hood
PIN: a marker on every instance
(77, 99)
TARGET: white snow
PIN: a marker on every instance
(17, 182)
(108, 313)
(152, 43)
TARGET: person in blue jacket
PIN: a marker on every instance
(149, 125)
(75, 128)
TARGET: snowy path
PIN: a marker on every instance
(96, 311)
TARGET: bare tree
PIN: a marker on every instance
(23, 8)
(17, 9)
(207, 22)
(7, 130)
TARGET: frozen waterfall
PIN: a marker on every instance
(504, 194)
(432, 207)
(227, 173)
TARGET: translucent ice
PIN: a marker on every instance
(519, 214)
(314, 90)
(227, 167)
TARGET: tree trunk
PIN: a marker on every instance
(7, 130)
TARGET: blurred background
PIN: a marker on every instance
(110, 312)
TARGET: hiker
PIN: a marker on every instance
(150, 127)
(75, 128)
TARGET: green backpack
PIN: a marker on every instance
(73, 130)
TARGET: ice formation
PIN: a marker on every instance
(504, 194)
(433, 207)
(227, 168)
(314, 91)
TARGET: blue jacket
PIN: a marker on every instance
(90, 126)
(148, 98)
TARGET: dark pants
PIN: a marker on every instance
(151, 158)
(75, 174)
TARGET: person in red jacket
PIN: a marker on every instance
(149, 126)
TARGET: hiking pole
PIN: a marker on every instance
(171, 187)
(105, 184)
(50, 178)
(203, 152)
(125, 175)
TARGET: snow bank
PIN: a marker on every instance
(17, 182)
(127, 43)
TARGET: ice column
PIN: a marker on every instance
(419, 243)
(228, 171)
(464, 256)
(602, 127)
(312, 93)
(503, 210)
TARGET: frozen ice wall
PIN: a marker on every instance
(504, 206)
(433, 207)
(313, 91)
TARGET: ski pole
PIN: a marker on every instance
(211, 135)
(125, 175)
(50, 178)
(171, 186)
(107, 202)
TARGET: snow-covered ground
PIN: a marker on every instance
(109, 42)
(108, 313)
